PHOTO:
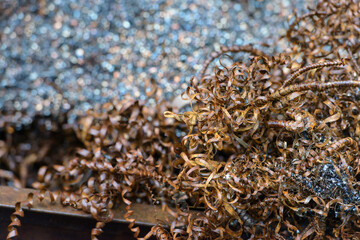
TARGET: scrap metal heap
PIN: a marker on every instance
(268, 149)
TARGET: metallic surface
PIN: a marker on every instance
(58, 222)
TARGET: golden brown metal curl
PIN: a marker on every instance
(234, 49)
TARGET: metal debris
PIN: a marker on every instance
(70, 56)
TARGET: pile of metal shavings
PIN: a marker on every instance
(65, 57)
(267, 150)
(60, 58)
